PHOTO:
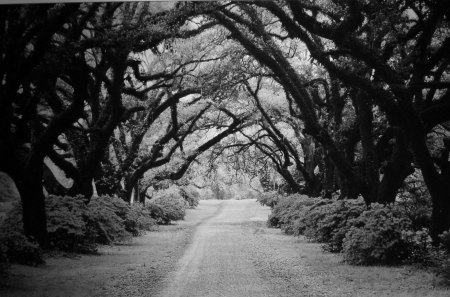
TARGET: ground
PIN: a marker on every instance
(223, 248)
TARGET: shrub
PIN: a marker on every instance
(191, 196)
(74, 226)
(15, 247)
(328, 221)
(156, 211)
(418, 211)
(311, 215)
(21, 250)
(102, 221)
(445, 241)
(376, 237)
(138, 220)
(66, 224)
(288, 209)
(443, 270)
(415, 198)
(172, 205)
(269, 199)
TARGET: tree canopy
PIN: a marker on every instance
(333, 97)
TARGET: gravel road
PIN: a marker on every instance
(217, 261)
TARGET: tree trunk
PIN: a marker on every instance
(33, 200)
(328, 179)
(286, 174)
(396, 170)
(438, 184)
(370, 161)
(440, 216)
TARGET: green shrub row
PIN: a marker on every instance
(73, 226)
(365, 236)
(288, 209)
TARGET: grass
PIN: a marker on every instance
(303, 269)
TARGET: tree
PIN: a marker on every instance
(65, 69)
(31, 38)
(398, 64)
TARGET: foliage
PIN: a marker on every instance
(191, 196)
(14, 246)
(443, 270)
(156, 212)
(415, 199)
(384, 234)
(220, 192)
(289, 209)
(4, 262)
(445, 241)
(75, 226)
(169, 205)
(377, 237)
(328, 221)
(21, 250)
(136, 218)
(269, 199)
(139, 219)
(66, 224)
(103, 221)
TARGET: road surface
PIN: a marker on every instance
(217, 261)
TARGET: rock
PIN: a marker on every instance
(8, 189)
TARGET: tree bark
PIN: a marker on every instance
(438, 184)
(369, 161)
(396, 170)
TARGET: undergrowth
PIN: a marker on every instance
(376, 235)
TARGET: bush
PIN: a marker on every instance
(136, 217)
(76, 226)
(102, 221)
(311, 215)
(170, 206)
(66, 224)
(15, 247)
(415, 198)
(19, 249)
(191, 196)
(328, 221)
(156, 211)
(377, 237)
(139, 219)
(269, 199)
(443, 270)
(73, 226)
(445, 241)
(288, 209)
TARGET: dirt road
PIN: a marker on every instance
(217, 262)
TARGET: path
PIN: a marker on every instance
(216, 263)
